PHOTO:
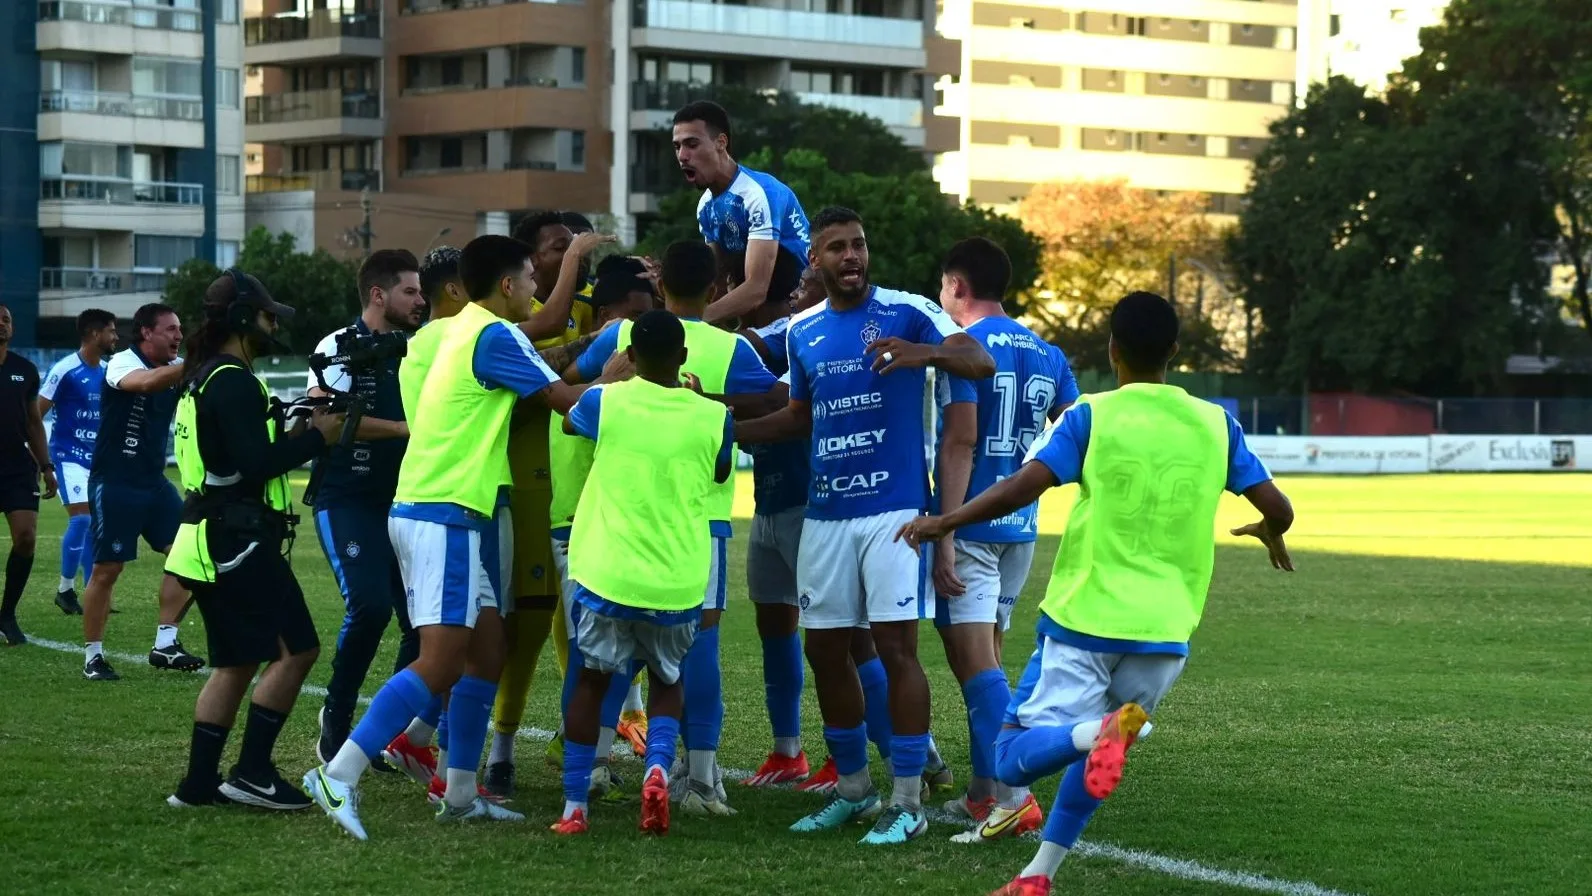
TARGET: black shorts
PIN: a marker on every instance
(251, 607)
(19, 492)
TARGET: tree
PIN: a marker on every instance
(910, 222)
(1383, 251)
(322, 289)
(1540, 53)
(1104, 239)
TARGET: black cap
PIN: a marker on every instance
(234, 285)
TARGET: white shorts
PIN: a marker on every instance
(852, 572)
(1063, 685)
(994, 574)
(610, 644)
(771, 554)
(716, 597)
(446, 577)
(566, 586)
(497, 554)
(71, 482)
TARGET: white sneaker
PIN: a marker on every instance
(478, 809)
(695, 803)
(339, 800)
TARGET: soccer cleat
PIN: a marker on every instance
(655, 803)
(333, 733)
(67, 601)
(1102, 771)
(937, 779)
(419, 763)
(1002, 822)
(437, 788)
(338, 800)
(499, 780)
(824, 781)
(270, 792)
(777, 769)
(575, 824)
(898, 824)
(696, 803)
(965, 809)
(633, 728)
(11, 632)
(97, 669)
(1025, 886)
(555, 751)
(838, 811)
(605, 785)
(175, 658)
(480, 809)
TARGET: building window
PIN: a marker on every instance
(226, 253)
(577, 150)
(228, 175)
(452, 71)
(170, 77)
(227, 88)
(451, 152)
(163, 253)
(577, 65)
(229, 12)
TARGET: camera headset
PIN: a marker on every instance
(242, 313)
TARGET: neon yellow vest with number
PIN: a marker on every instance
(190, 550)
(1135, 562)
(642, 539)
(458, 436)
(708, 352)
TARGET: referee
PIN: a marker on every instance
(24, 456)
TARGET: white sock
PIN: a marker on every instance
(461, 787)
(66, 585)
(933, 760)
(165, 636)
(1011, 797)
(789, 747)
(349, 763)
(1046, 861)
(420, 733)
(605, 743)
(908, 792)
(571, 807)
(633, 699)
(659, 768)
(502, 749)
(91, 650)
(701, 764)
(1084, 735)
(442, 756)
(856, 785)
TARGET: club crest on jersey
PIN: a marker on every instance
(870, 332)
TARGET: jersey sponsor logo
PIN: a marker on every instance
(849, 403)
(856, 482)
(86, 435)
(871, 332)
(18, 378)
(844, 365)
(816, 341)
(756, 219)
(849, 443)
(1011, 340)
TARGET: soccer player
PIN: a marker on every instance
(980, 573)
(1130, 579)
(441, 526)
(72, 388)
(640, 556)
(730, 371)
(128, 488)
(859, 384)
(24, 459)
(754, 223)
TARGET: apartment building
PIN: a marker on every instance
(1173, 96)
(1366, 40)
(122, 138)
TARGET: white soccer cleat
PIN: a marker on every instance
(479, 809)
(339, 800)
(699, 805)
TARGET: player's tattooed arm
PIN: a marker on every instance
(560, 357)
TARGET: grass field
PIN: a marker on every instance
(1398, 717)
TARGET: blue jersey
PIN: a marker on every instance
(1032, 381)
(73, 386)
(870, 432)
(780, 472)
(755, 207)
(134, 426)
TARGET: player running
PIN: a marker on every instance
(980, 573)
(72, 388)
(1131, 576)
(640, 556)
(858, 383)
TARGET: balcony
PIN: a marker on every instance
(321, 35)
(122, 118)
(351, 180)
(418, 7)
(89, 202)
(777, 33)
(313, 115)
(100, 280)
(895, 112)
(117, 28)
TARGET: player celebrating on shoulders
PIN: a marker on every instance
(73, 388)
(754, 223)
(639, 553)
(858, 383)
(1131, 576)
(981, 572)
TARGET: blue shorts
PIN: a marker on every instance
(356, 544)
(122, 513)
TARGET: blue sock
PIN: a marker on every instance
(704, 691)
(1024, 755)
(577, 661)
(469, 712)
(578, 760)
(1072, 810)
(73, 544)
(432, 714)
(614, 700)
(403, 697)
(661, 734)
(876, 704)
(849, 746)
(986, 695)
(908, 754)
(782, 683)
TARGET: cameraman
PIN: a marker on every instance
(356, 487)
(234, 458)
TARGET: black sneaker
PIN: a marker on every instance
(499, 779)
(97, 669)
(11, 632)
(67, 601)
(189, 795)
(265, 792)
(175, 657)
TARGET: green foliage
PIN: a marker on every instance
(322, 289)
(778, 122)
